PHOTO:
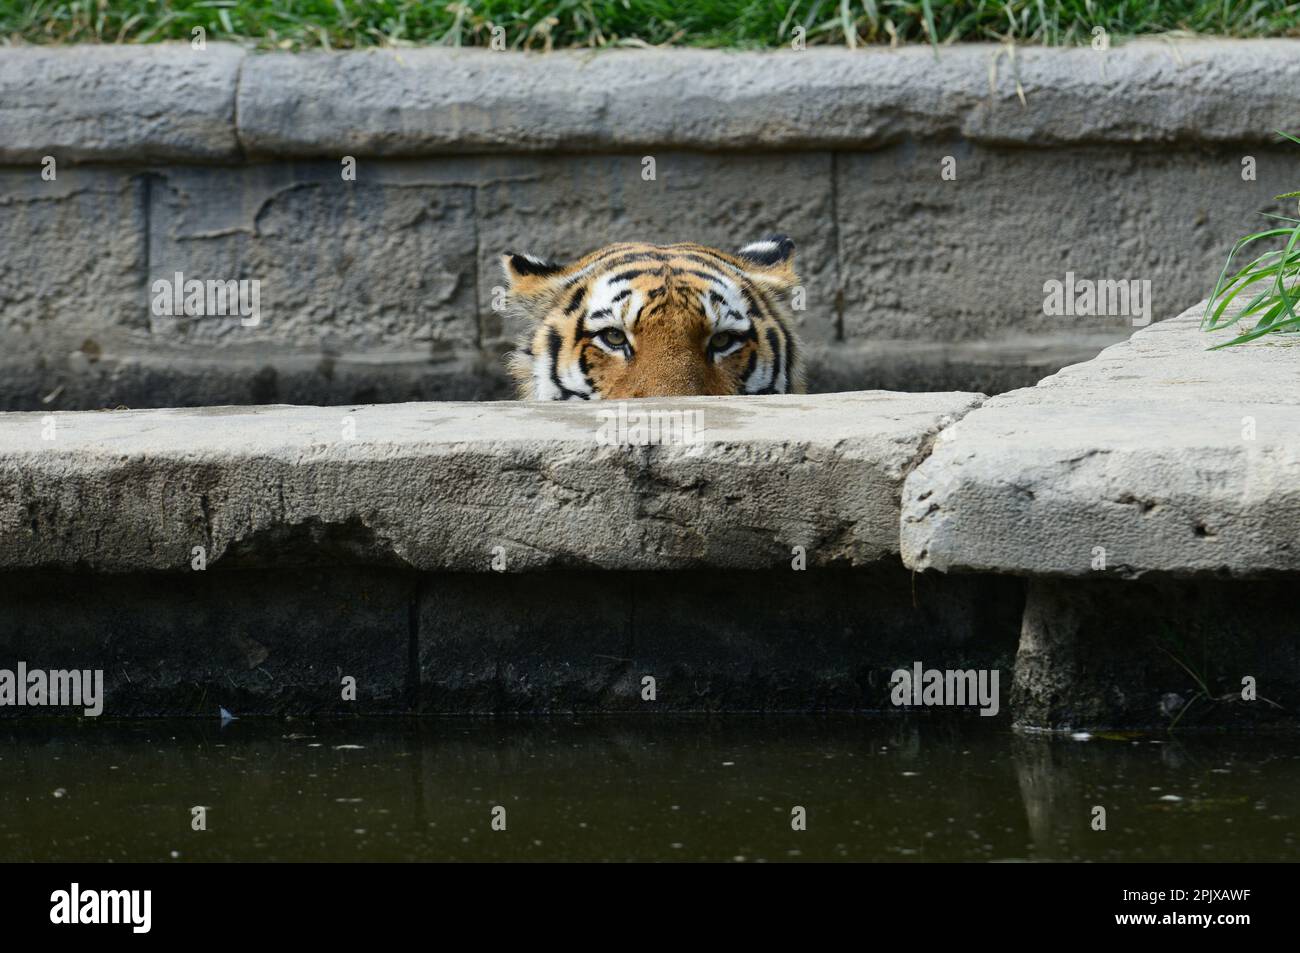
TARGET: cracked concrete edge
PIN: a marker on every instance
(170, 102)
(1157, 456)
(441, 486)
(106, 103)
(931, 438)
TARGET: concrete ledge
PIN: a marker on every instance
(441, 486)
(329, 533)
(119, 103)
(415, 102)
(105, 103)
(1157, 456)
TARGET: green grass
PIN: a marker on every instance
(547, 24)
(1270, 282)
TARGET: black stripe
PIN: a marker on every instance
(774, 314)
(778, 358)
(662, 257)
(617, 251)
(780, 253)
(775, 345)
(757, 306)
(576, 301)
(618, 259)
(749, 369)
(727, 267)
(789, 355)
(648, 311)
(526, 266)
(554, 340)
(662, 254)
(629, 274)
(708, 276)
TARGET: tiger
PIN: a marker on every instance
(634, 319)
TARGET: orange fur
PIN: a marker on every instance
(639, 320)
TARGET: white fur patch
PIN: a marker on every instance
(573, 379)
(731, 315)
(543, 387)
(621, 313)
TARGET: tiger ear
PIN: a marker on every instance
(532, 278)
(770, 261)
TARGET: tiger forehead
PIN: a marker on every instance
(666, 278)
(658, 282)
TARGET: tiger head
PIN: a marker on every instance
(639, 320)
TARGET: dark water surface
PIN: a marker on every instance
(667, 788)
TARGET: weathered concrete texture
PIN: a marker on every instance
(777, 640)
(563, 208)
(927, 260)
(119, 103)
(440, 486)
(366, 290)
(1156, 652)
(253, 642)
(396, 275)
(388, 287)
(383, 265)
(415, 102)
(1156, 456)
(73, 256)
(990, 367)
(103, 371)
(107, 103)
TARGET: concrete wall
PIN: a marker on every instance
(222, 164)
(481, 557)
(281, 642)
(1132, 524)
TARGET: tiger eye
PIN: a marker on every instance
(639, 320)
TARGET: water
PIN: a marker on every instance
(667, 788)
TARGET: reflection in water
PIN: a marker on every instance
(613, 788)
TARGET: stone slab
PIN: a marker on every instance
(107, 103)
(420, 101)
(1157, 456)
(170, 101)
(451, 486)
